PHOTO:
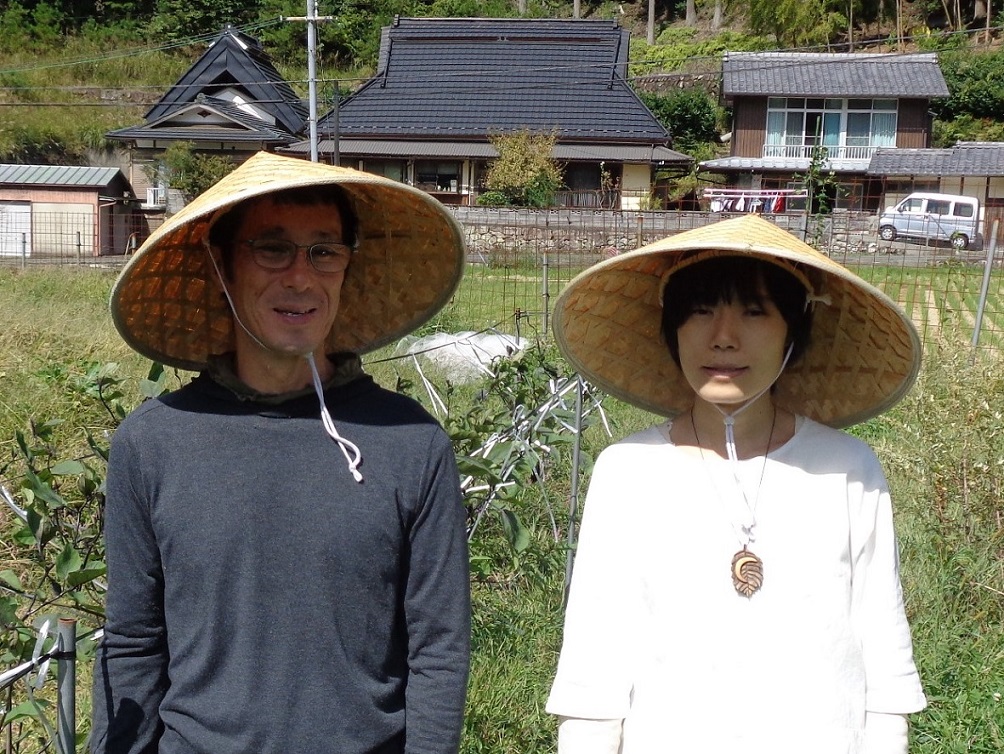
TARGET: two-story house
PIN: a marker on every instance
(792, 112)
(231, 101)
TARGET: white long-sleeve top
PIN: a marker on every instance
(657, 636)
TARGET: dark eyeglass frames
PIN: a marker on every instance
(279, 254)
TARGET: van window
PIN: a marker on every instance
(938, 207)
(912, 205)
(962, 209)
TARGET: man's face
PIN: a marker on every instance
(290, 311)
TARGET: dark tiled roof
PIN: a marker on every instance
(57, 175)
(236, 61)
(832, 75)
(977, 158)
(467, 78)
(208, 119)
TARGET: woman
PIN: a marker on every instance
(736, 584)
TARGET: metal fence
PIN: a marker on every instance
(519, 260)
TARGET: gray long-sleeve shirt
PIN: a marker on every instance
(261, 600)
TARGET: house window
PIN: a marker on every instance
(396, 170)
(431, 175)
(848, 128)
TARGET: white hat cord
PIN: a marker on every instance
(349, 449)
(747, 567)
(329, 425)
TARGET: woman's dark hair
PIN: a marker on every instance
(728, 278)
(224, 230)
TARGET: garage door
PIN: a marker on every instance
(15, 229)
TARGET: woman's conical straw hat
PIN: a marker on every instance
(168, 304)
(863, 354)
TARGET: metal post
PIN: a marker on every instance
(546, 294)
(312, 74)
(987, 270)
(641, 230)
(573, 496)
(312, 18)
(24, 250)
(79, 248)
(66, 682)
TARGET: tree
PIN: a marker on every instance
(189, 172)
(524, 172)
(690, 115)
(796, 23)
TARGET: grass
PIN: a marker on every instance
(942, 447)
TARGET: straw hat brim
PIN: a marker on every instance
(169, 306)
(863, 355)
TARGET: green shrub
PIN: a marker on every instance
(493, 199)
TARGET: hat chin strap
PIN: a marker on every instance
(349, 449)
(345, 445)
(730, 418)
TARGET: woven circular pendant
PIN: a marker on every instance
(747, 572)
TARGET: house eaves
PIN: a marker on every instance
(857, 75)
(779, 164)
(470, 150)
(458, 79)
(206, 120)
(57, 175)
(236, 61)
(966, 158)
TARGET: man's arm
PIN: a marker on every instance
(437, 611)
(130, 673)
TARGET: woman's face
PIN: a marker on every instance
(731, 351)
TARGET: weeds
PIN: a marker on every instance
(942, 448)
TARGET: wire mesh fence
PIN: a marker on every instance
(519, 260)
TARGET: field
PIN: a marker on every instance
(942, 447)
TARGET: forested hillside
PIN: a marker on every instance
(71, 70)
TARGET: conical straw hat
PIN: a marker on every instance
(168, 304)
(863, 354)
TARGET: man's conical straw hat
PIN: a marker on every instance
(169, 306)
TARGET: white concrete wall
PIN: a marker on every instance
(636, 185)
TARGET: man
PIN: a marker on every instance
(285, 539)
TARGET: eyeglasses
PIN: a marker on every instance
(279, 254)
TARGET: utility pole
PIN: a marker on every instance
(312, 18)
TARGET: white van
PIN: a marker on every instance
(925, 216)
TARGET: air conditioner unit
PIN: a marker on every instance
(156, 196)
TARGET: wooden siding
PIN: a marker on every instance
(749, 127)
(913, 124)
(39, 194)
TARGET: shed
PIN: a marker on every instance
(64, 211)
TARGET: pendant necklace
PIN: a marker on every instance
(747, 568)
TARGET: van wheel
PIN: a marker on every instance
(959, 241)
(887, 233)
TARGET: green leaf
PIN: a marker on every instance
(24, 710)
(27, 452)
(68, 561)
(43, 491)
(25, 536)
(10, 579)
(8, 611)
(67, 468)
(155, 383)
(85, 575)
(515, 532)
